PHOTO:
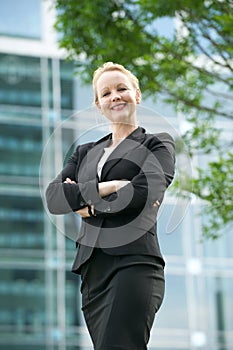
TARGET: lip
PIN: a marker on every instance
(118, 107)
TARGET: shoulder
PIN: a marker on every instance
(160, 139)
(160, 143)
(84, 147)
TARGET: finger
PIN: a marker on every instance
(69, 181)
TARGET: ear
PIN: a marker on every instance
(138, 96)
(98, 105)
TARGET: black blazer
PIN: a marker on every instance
(124, 221)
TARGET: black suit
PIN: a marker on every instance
(123, 282)
(121, 226)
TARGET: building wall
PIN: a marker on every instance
(44, 112)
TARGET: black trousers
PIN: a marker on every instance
(120, 297)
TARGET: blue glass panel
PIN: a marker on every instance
(67, 81)
(21, 18)
(20, 81)
(20, 150)
(171, 243)
(21, 222)
(22, 305)
(173, 313)
(218, 309)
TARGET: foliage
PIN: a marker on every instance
(218, 193)
(191, 67)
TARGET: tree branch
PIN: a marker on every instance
(194, 105)
(208, 37)
(194, 34)
(219, 93)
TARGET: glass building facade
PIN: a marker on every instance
(40, 304)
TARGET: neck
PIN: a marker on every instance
(121, 131)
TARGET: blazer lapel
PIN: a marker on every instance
(88, 168)
(133, 141)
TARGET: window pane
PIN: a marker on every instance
(20, 150)
(21, 18)
(20, 81)
(22, 305)
(21, 222)
(173, 313)
(219, 291)
(221, 247)
(171, 244)
(67, 79)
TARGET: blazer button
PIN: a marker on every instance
(107, 209)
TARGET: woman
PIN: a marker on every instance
(116, 184)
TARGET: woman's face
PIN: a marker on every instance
(117, 98)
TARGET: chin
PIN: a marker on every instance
(121, 118)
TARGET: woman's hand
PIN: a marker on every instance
(108, 187)
(69, 181)
(156, 204)
(84, 212)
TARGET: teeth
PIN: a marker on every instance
(118, 106)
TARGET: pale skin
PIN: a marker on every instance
(117, 100)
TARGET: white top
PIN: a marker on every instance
(107, 152)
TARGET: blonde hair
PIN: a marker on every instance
(110, 66)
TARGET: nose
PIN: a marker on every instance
(116, 96)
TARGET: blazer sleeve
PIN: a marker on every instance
(64, 198)
(148, 185)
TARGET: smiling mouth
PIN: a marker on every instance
(118, 107)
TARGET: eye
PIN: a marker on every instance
(122, 89)
(106, 93)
